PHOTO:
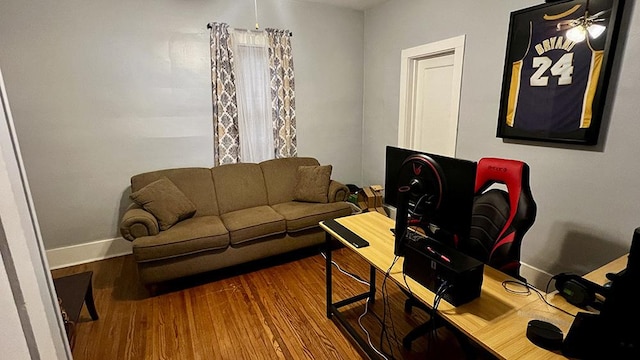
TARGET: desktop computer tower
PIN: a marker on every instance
(432, 264)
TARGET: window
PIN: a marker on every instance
(252, 84)
(255, 124)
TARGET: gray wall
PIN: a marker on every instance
(588, 197)
(102, 90)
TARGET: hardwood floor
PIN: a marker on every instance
(272, 309)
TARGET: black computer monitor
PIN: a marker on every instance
(621, 307)
(613, 333)
(430, 191)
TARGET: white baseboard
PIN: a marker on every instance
(536, 277)
(84, 253)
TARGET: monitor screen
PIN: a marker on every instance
(438, 191)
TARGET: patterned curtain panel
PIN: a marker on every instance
(225, 111)
(282, 93)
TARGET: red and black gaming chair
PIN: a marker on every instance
(500, 218)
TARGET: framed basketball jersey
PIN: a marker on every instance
(554, 84)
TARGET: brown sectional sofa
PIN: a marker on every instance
(232, 214)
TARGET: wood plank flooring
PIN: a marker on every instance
(271, 309)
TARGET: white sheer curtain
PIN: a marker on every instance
(255, 124)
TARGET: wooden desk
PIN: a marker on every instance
(473, 318)
(497, 320)
(508, 336)
(598, 275)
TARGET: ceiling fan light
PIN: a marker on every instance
(576, 34)
(595, 30)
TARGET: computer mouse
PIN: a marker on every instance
(544, 334)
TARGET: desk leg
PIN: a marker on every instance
(328, 274)
(372, 284)
(334, 309)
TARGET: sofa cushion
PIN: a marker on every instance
(280, 177)
(195, 183)
(165, 201)
(312, 183)
(301, 215)
(239, 186)
(253, 223)
(190, 236)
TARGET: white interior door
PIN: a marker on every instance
(431, 78)
(434, 128)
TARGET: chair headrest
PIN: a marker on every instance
(512, 173)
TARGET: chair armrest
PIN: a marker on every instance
(137, 222)
(337, 191)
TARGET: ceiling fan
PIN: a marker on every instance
(578, 28)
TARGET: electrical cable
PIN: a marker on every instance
(439, 294)
(366, 305)
(433, 314)
(366, 309)
(384, 334)
(432, 319)
(415, 206)
(383, 331)
(351, 275)
(528, 290)
(404, 276)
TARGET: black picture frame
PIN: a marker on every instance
(554, 89)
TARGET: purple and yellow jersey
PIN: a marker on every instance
(553, 85)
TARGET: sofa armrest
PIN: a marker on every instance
(137, 222)
(337, 191)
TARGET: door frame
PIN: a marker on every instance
(408, 67)
(23, 257)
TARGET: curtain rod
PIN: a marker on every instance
(209, 26)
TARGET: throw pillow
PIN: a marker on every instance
(165, 201)
(313, 183)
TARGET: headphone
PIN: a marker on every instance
(580, 291)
